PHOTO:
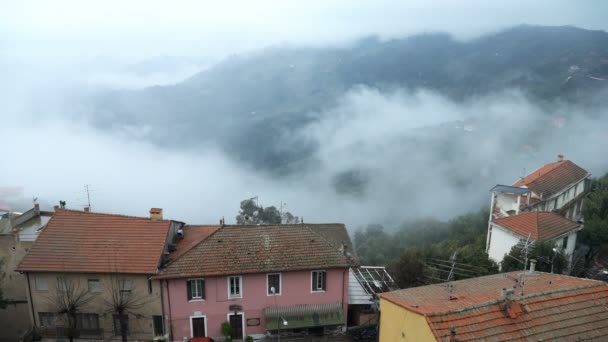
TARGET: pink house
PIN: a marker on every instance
(270, 278)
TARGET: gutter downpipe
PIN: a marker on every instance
(29, 288)
(162, 303)
(170, 316)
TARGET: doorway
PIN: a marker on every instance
(236, 325)
(198, 326)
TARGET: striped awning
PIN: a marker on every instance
(305, 315)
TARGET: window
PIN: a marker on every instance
(125, 285)
(87, 321)
(149, 285)
(94, 285)
(318, 281)
(196, 289)
(235, 287)
(62, 284)
(41, 283)
(117, 326)
(47, 319)
(159, 329)
(565, 243)
(273, 281)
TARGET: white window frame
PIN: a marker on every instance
(40, 280)
(278, 293)
(191, 326)
(125, 285)
(98, 289)
(240, 294)
(242, 320)
(62, 284)
(312, 278)
(199, 298)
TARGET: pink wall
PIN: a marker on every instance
(296, 289)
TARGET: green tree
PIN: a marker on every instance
(252, 213)
(595, 212)
(410, 269)
(544, 255)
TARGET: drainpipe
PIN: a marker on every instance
(344, 281)
(29, 287)
(170, 319)
(162, 304)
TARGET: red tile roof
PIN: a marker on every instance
(552, 178)
(193, 234)
(265, 248)
(552, 307)
(75, 241)
(539, 225)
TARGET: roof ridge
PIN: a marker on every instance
(110, 214)
(532, 295)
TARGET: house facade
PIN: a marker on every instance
(506, 232)
(559, 186)
(514, 306)
(269, 278)
(555, 192)
(102, 265)
(18, 231)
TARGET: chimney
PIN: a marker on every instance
(156, 213)
(56, 208)
(505, 294)
(87, 209)
(560, 157)
(37, 208)
(532, 265)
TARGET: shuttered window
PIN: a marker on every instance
(318, 281)
(196, 289)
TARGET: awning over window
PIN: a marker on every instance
(303, 316)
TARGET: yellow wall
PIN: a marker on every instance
(399, 324)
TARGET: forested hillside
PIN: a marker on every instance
(250, 103)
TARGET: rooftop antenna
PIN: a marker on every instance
(86, 189)
(525, 247)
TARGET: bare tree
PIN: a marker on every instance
(123, 300)
(68, 299)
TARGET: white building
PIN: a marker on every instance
(559, 186)
(506, 232)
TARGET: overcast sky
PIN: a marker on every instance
(53, 154)
(65, 30)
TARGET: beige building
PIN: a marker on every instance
(17, 235)
(100, 265)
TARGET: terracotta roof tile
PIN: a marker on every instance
(552, 178)
(75, 241)
(539, 225)
(193, 234)
(553, 307)
(265, 248)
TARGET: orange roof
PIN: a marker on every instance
(251, 249)
(552, 178)
(76, 241)
(193, 234)
(548, 307)
(539, 225)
